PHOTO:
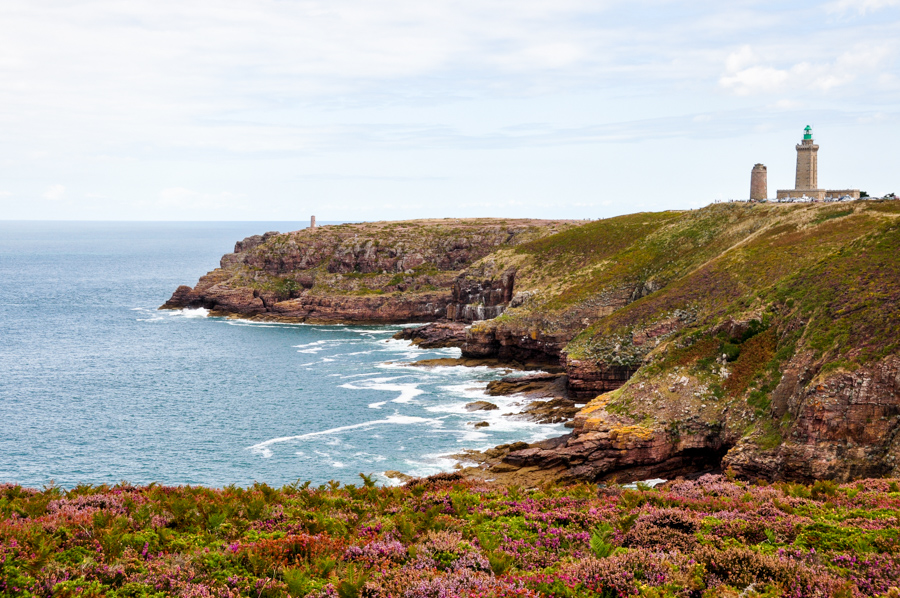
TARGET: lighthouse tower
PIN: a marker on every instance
(806, 185)
(807, 162)
(807, 182)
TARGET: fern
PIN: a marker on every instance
(600, 544)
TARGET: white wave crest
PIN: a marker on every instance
(263, 449)
(407, 391)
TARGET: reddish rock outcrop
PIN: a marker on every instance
(485, 340)
(589, 378)
(543, 382)
(842, 426)
(605, 446)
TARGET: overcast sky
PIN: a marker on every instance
(386, 109)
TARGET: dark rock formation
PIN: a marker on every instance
(508, 385)
(504, 343)
(557, 410)
(435, 335)
(603, 447)
(481, 406)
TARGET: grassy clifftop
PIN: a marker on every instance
(611, 277)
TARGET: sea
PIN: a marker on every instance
(97, 386)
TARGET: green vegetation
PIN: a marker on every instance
(444, 536)
(850, 300)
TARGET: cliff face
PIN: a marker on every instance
(481, 293)
(373, 272)
(763, 338)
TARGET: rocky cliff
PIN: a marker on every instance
(762, 338)
(410, 271)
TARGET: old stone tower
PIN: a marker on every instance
(759, 186)
(807, 162)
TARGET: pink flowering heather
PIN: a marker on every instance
(447, 537)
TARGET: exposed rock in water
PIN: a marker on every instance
(491, 465)
(603, 447)
(559, 408)
(485, 340)
(490, 362)
(482, 425)
(525, 384)
(180, 298)
(481, 406)
(435, 335)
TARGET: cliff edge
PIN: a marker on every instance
(379, 272)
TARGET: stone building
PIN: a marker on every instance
(759, 185)
(806, 182)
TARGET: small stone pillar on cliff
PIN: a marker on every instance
(807, 162)
(759, 186)
(312, 222)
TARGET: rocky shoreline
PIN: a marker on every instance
(763, 339)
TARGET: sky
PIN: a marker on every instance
(389, 109)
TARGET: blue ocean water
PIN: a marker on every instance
(97, 386)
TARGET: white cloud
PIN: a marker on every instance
(744, 75)
(5, 194)
(55, 193)
(860, 6)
